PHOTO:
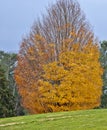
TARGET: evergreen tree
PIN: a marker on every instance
(6, 98)
(103, 60)
(8, 62)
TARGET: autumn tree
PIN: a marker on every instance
(55, 62)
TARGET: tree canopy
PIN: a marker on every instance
(58, 63)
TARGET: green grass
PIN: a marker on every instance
(74, 120)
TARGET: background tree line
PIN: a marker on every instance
(9, 97)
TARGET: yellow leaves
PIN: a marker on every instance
(39, 37)
(54, 72)
(46, 84)
(51, 45)
(65, 26)
(31, 50)
(75, 78)
(73, 34)
(71, 82)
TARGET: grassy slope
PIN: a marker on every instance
(75, 120)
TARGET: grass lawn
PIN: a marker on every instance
(74, 120)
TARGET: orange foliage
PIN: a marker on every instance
(71, 83)
(58, 64)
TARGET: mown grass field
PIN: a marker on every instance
(74, 120)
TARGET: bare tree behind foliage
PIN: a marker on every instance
(60, 23)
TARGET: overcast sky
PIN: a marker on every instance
(17, 17)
